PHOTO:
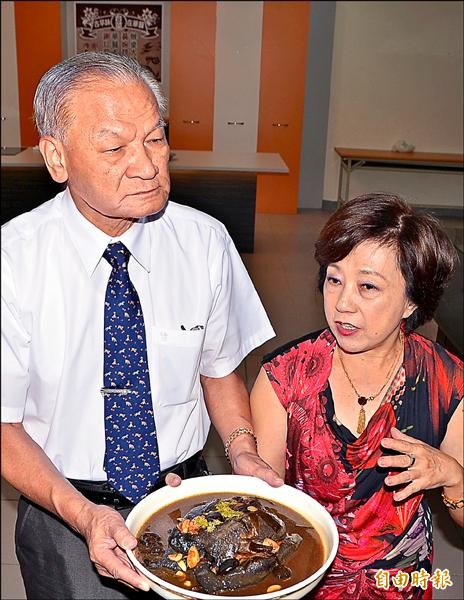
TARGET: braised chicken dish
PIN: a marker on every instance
(237, 545)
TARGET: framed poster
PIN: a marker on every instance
(132, 28)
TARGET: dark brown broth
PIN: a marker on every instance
(306, 561)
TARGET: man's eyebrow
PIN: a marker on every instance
(107, 132)
(159, 125)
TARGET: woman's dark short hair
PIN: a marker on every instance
(426, 257)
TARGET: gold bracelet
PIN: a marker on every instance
(451, 502)
(235, 433)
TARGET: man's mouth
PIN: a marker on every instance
(145, 192)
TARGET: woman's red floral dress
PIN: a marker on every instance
(325, 460)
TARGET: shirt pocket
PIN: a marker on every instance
(177, 355)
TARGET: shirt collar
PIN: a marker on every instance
(91, 242)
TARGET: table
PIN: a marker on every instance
(352, 159)
(222, 184)
(181, 160)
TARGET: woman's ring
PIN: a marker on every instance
(413, 460)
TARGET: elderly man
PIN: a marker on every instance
(124, 319)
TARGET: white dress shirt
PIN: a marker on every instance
(202, 316)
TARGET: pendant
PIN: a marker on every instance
(362, 400)
(361, 419)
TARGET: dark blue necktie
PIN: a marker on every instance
(131, 458)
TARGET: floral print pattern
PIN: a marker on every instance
(325, 460)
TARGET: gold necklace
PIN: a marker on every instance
(363, 400)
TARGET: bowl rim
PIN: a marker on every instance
(245, 479)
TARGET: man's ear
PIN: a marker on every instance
(53, 154)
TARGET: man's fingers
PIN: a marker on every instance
(267, 474)
(122, 555)
(124, 539)
(273, 479)
(249, 463)
(173, 480)
(115, 566)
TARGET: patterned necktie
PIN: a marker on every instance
(131, 458)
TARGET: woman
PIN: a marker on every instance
(367, 415)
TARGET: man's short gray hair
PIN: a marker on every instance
(52, 98)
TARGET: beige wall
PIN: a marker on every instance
(397, 73)
(10, 102)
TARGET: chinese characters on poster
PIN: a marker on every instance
(127, 28)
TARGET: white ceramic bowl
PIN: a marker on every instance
(237, 484)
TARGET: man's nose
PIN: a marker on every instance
(142, 164)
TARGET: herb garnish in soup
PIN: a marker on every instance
(229, 545)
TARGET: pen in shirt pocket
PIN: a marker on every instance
(196, 328)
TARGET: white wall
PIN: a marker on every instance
(397, 73)
(237, 75)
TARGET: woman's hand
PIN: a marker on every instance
(421, 466)
(108, 539)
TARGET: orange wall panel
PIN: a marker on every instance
(38, 47)
(191, 75)
(283, 73)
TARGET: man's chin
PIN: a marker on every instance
(147, 209)
(158, 212)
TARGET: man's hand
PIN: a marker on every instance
(249, 463)
(228, 406)
(108, 539)
(245, 460)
